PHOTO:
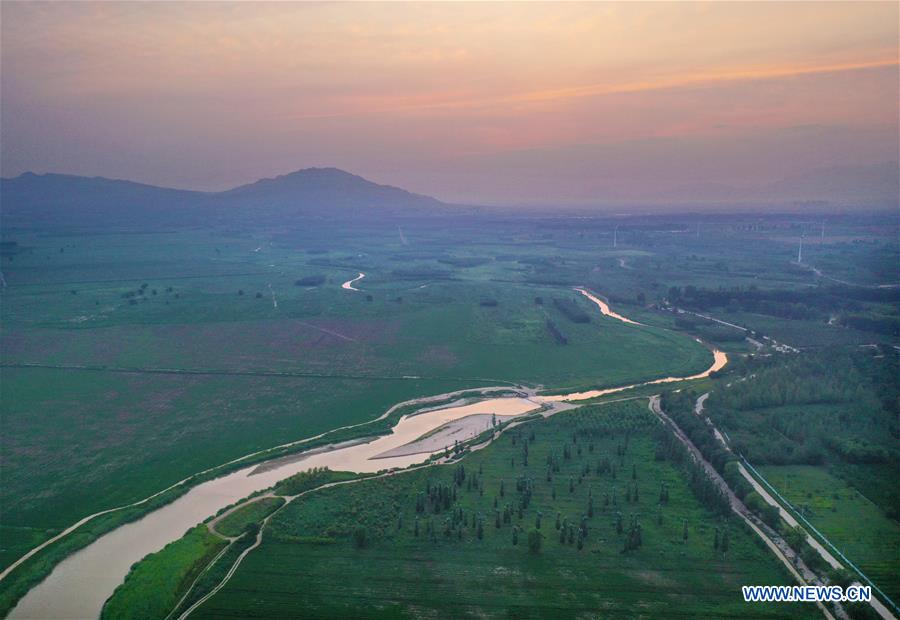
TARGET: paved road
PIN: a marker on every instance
(774, 542)
(787, 517)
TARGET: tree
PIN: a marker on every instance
(684, 531)
(723, 546)
(359, 537)
(534, 541)
(515, 535)
(795, 537)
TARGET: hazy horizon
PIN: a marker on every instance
(492, 104)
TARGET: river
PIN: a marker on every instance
(348, 285)
(79, 585)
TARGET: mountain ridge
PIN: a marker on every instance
(63, 198)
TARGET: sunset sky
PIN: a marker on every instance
(473, 102)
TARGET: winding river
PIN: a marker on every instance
(80, 584)
(348, 285)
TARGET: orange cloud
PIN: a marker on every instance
(374, 105)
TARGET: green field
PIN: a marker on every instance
(838, 509)
(313, 562)
(131, 398)
(134, 359)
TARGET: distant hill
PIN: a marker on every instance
(324, 191)
(66, 199)
(59, 199)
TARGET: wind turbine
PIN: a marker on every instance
(615, 237)
(800, 251)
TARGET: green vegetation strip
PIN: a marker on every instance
(151, 588)
(237, 522)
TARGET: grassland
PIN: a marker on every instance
(139, 395)
(313, 562)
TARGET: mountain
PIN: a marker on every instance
(324, 191)
(55, 199)
(58, 199)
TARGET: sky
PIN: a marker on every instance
(486, 103)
